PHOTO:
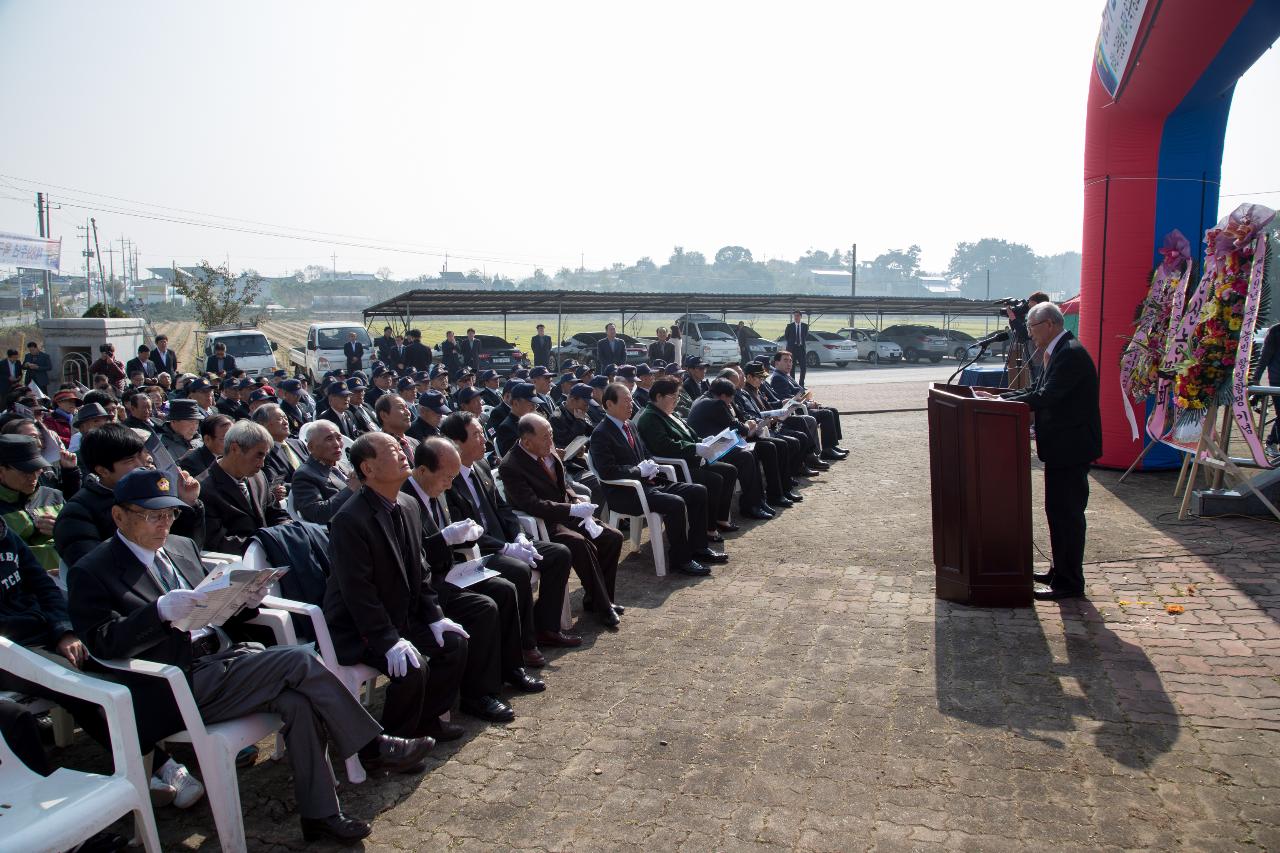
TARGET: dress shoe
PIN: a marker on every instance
(781, 502)
(444, 731)
(339, 827)
(818, 464)
(524, 682)
(398, 754)
(1045, 578)
(706, 555)
(692, 568)
(727, 527)
(534, 658)
(489, 708)
(794, 496)
(559, 638)
(247, 757)
(713, 536)
(755, 514)
(809, 471)
(841, 451)
(1045, 593)
(764, 505)
(609, 618)
(830, 456)
(619, 609)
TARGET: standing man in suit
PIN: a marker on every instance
(541, 346)
(38, 366)
(449, 353)
(386, 347)
(797, 339)
(535, 483)
(416, 355)
(354, 351)
(379, 602)
(125, 597)
(165, 359)
(662, 349)
(474, 495)
(142, 364)
(220, 364)
(610, 349)
(10, 375)
(469, 350)
(1068, 439)
(319, 488)
(618, 453)
(236, 498)
(744, 341)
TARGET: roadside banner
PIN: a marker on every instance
(33, 253)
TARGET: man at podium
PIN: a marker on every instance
(1068, 439)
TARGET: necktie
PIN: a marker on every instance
(169, 578)
(488, 517)
(439, 513)
(294, 461)
(631, 439)
(548, 468)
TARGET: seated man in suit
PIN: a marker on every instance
(489, 382)
(339, 398)
(381, 608)
(535, 483)
(291, 394)
(488, 609)
(319, 489)
(236, 498)
(713, 413)
(229, 402)
(213, 432)
(288, 453)
(786, 449)
(618, 453)
(474, 495)
(127, 595)
(667, 435)
(432, 408)
(361, 414)
(828, 418)
(394, 418)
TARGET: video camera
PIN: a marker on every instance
(1016, 311)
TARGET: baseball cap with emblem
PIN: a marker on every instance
(434, 401)
(523, 391)
(466, 395)
(337, 389)
(599, 382)
(580, 391)
(292, 386)
(405, 383)
(261, 395)
(149, 489)
(199, 384)
(643, 370)
(754, 368)
(538, 372)
(486, 375)
(355, 383)
(582, 370)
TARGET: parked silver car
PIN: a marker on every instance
(826, 348)
(870, 347)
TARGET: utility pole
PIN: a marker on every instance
(334, 275)
(853, 277)
(88, 254)
(111, 251)
(124, 260)
(988, 296)
(42, 218)
(106, 294)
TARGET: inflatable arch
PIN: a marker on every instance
(1165, 71)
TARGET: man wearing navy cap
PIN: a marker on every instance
(695, 382)
(382, 381)
(439, 380)
(644, 381)
(127, 596)
(339, 398)
(229, 403)
(431, 410)
(407, 389)
(291, 394)
(466, 379)
(595, 409)
(560, 390)
(523, 401)
(489, 386)
(583, 373)
(201, 391)
(571, 422)
(470, 400)
(361, 413)
(541, 379)
(259, 397)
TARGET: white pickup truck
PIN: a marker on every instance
(323, 350)
(252, 350)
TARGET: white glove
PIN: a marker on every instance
(178, 604)
(526, 554)
(648, 468)
(400, 657)
(593, 529)
(462, 531)
(439, 629)
(582, 510)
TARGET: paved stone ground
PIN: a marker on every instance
(813, 695)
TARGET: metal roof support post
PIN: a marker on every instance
(504, 325)
(559, 326)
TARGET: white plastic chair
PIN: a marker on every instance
(681, 465)
(657, 541)
(59, 811)
(536, 529)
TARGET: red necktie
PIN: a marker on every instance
(631, 439)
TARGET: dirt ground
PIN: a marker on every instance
(814, 695)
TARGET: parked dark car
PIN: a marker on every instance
(963, 344)
(918, 341)
(582, 349)
(758, 346)
(495, 353)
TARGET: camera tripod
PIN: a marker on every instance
(1017, 363)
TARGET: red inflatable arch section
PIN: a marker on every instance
(1153, 157)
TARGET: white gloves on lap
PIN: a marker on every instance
(648, 468)
(401, 656)
(522, 551)
(462, 531)
(582, 510)
(439, 629)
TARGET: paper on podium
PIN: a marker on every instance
(226, 590)
(463, 575)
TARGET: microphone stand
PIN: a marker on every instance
(982, 350)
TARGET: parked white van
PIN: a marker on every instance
(715, 341)
(253, 352)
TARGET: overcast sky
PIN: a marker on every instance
(514, 134)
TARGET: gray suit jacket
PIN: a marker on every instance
(318, 491)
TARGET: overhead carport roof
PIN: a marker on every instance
(428, 303)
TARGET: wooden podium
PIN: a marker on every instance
(980, 471)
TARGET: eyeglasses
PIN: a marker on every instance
(159, 516)
(1037, 323)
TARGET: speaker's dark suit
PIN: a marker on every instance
(683, 506)
(230, 520)
(664, 350)
(500, 527)
(797, 339)
(1068, 439)
(416, 356)
(542, 493)
(489, 609)
(671, 438)
(380, 592)
(610, 352)
(113, 608)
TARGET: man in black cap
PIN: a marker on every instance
(127, 598)
(595, 407)
(26, 507)
(358, 408)
(490, 383)
(695, 382)
(560, 390)
(383, 382)
(339, 398)
(523, 401)
(470, 400)
(201, 391)
(541, 378)
(259, 397)
(291, 394)
(431, 410)
(229, 400)
(179, 433)
(540, 343)
(645, 377)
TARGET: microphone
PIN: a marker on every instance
(994, 338)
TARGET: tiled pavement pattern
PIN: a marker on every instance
(813, 695)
